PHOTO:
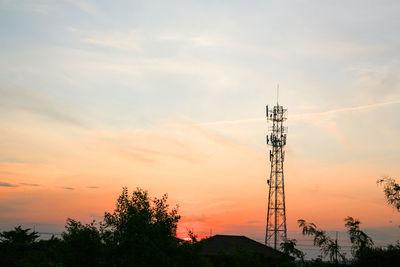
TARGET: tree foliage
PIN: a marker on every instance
(14, 244)
(82, 244)
(328, 246)
(289, 248)
(376, 256)
(141, 229)
(392, 191)
(18, 236)
(358, 238)
(365, 254)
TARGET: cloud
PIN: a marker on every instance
(3, 184)
(68, 188)
(7, 173)
(121, 40)
(210, 135)
(15, 205)
(203, 218)
(93, 187)
(250, 120)
(349, 109)
(219, 204)
(326, 114)
(34, 102)
(376, 83)
(206, 40)
(85, 6)
(26, 184)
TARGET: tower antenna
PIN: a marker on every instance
(277, 94)
(276, 231)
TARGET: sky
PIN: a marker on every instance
(170, 96)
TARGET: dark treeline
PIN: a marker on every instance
(141, 231)
(363, 250)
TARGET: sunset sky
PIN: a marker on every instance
(170, 96)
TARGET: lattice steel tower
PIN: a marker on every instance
(276, 216)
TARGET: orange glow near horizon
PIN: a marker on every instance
(220, 186)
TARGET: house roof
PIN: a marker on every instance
(214, 245)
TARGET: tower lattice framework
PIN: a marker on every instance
(276, 231)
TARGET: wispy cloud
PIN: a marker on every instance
(3, 184)
(309, 114)
(93, 187)
(121, 40)
(252, 222)
(349, 109)
(7, 173)
(202, 218)
(85, 6)
(67, 188)
(196, 40)
(27, 184)
(243, 121)
(34, 102)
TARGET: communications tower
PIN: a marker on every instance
(276, 215)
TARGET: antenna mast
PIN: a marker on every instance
(276, 231)
(277, 95)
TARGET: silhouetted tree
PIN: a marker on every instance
(328, 246)
(17, 247)
(190, 252)
(83, 244)
(289, 248)
(141, 230)
(50, 253)
(18, 237)
(392, 191)
(382, 257)
(358, 238)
